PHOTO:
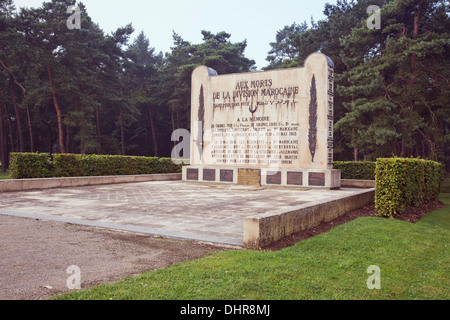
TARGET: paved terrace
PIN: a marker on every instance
(173, 209)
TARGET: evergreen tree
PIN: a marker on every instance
(216, 52)
(142, 68)
(10, 43)
(398, 80)
(288, 46)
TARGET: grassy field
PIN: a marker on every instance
(413, 260)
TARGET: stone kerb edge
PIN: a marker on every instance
(264, 229)
(49, 183)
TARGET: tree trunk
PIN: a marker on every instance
(19, 122)
(355, 154)
(11, 135)
(173, 123)
(67, 138)
(122, 132)
(83, 135)
(12, 82)
(416, 20)
(30, 129)
(50, 138)
(97, 115)
(415, 34)
(155, 142)
(58, 111)
(403, 151)
(355, 150)
(2, 143)
(99, 133)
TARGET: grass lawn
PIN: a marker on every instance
(5, 175)
(413, 259)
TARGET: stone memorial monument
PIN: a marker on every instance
(270, 128)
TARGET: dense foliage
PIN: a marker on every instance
(392, 83)
(404, 182)
(43, 165)
(83, 91)
(30, 165)
(359, 170)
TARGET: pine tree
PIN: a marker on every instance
(398, 81)
(142, 68)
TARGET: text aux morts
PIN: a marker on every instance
(249, 89)
(228, 309)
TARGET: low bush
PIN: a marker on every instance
(34, 165)
(403, 182)
(358, 170)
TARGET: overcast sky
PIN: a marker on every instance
(257, 21)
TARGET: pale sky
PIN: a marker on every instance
(257, 21)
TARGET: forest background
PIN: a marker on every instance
(66, 90)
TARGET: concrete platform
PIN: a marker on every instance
(173, 209)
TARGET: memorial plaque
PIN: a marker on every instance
(226, 175)
(209, 174)
(192, 174)
(295, 178)
(249, 177)
(316, 179)
(273, 177)
(278, 120)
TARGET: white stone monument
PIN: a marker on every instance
(272, 128)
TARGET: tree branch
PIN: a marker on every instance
(12, 76)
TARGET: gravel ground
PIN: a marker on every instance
(35, 256)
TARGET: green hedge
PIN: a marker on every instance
(358, 170)
(43, 165)
(403, 182)
(25, 165)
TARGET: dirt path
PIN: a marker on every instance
(35, 256)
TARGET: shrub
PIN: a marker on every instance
(169, 166)
(434, 174)
(77, 165)
(358, 170)
(402, 182)
(67, 165)
(30, 165)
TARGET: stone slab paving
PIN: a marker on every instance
(174, 209)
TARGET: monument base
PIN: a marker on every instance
(302, 178)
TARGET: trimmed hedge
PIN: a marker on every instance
(358, 170)
(403, 182)
(44, 165)
(24, 165)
